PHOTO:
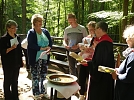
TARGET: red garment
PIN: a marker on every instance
(103, 38)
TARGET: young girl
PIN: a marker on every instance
(87, 50)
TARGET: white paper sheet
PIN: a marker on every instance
(43, 55)
(24, 43)
(66, 90)
(14, 41)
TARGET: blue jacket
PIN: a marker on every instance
(33, 45)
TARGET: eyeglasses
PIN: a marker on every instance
(96, 28)
(40, 20)
(91, 29)
(13, 28)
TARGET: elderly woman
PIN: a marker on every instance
(124, 75)
(39, 46)
(11, 57)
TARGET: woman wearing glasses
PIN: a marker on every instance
(39, 46)
(11, 57)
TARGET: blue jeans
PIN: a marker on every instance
(38, 75)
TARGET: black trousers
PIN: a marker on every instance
(11, 83)
(83, 76)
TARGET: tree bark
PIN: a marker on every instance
(23, 17)
(1, 18)
(76, 8)
(132, 11)
(124, 19)
(90, 6)
(102, 7)
(58, 18)
(45, 20)
(82, 14)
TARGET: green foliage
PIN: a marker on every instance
(54, 10)
(112, 18)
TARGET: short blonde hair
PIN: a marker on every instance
(129, 32)
(91, 23)
(35, 18)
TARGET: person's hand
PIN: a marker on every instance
(67, 47)
(95, 43)
(48, 49)
(43, 53)
(74, 47)
(14, 46)
(114, 74)
(11, 48)
(89, 49)
(83, 62)
(45, 48)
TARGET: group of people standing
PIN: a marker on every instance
(98, 50)
(38, 49)
(118, 85)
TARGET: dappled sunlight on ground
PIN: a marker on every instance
(25, 84)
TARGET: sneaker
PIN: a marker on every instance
(81, 97)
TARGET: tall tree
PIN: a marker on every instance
(58, 12)
(102, 7)
(1, 17)
(90, 6)
(132, 11)
(23, 16)
(46, 14)
(124, 19)
(65, 15)
(76, 7)
(82, 13)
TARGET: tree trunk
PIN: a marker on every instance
(76, 8)
(79, 11)
(102, 7)
(65, 15)
(1, 17)
(124, 19)
(90, 6)
(58, 18)
(23, 17)
(45, 20)
(82, 12)
(132, 11)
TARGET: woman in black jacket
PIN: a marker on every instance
(11, 57)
